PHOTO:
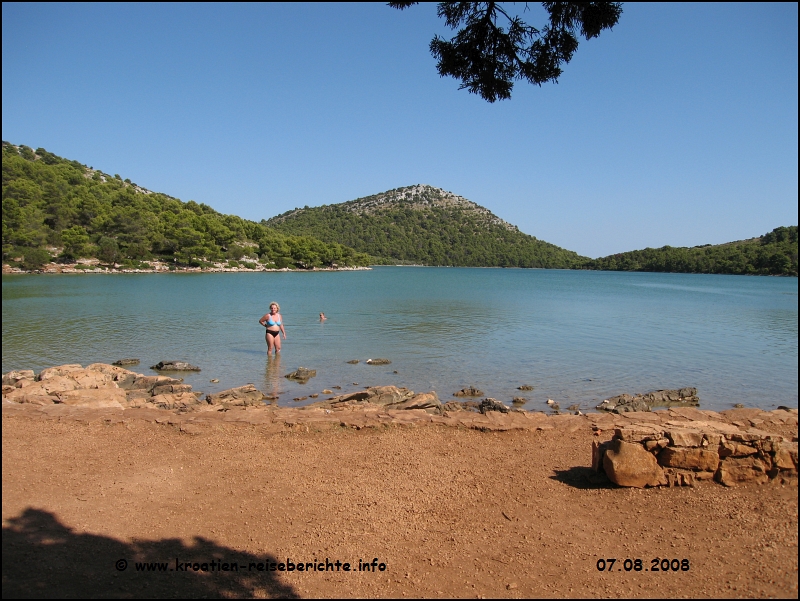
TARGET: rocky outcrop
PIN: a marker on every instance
(385, 397)
(702, 450)
(174, 366)
(683, 397)
(99, 386)
(301, 375)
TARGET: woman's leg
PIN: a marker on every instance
(270, 341)
(277, 343)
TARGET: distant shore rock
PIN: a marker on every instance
(377, 362)
(123, 362)
(174, 366)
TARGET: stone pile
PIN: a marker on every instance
(642, 454)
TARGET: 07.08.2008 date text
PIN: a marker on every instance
(637, 565)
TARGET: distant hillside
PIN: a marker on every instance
(425, 225)
(78, 211)
(774, 253)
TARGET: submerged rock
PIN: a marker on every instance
(525, 387)
(174, 366)
(377, 362)
(471, 391)
(301, 375)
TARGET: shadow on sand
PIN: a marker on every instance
(44, 558)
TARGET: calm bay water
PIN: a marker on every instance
(577, 336)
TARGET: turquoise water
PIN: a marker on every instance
(577, 336)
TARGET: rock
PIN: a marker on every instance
(12, 377)
(628, 464)
(683, 437)
(241, 396)
(387, 395)
(736, 470)
(598, 452)
(551, 402)
(313, 396)
(518, 400)
(689, 458)
(453, 406)
(171, 389)
(645, 402)
(573, 407)
(148, 383)
(301, 375)
(214, 381)
(638, 433)
(59, 370)
(327, 391)
(300, 398)
(786, 458)
(377, 362)
(733, 449)
(525, 387)
(96, 398)
(425, 400)
(182, 401)
(174, 366)
(679, 477)
(121, 362)
(471, 391)
(353, 361)
(492, 405)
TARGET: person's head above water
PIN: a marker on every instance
(276, 305)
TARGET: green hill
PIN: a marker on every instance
(425, 225)
(77, 211)
(774, 253)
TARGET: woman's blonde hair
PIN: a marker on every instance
(276, 304)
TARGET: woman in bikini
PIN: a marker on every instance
(274, 324)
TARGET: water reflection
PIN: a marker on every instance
(273, 376)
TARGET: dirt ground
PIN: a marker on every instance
(445, 511)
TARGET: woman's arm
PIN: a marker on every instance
(263, 320)
(282, 330)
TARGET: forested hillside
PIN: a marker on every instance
(774, 253)
(425, 225)
(51, 202)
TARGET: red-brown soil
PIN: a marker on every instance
(450, 511)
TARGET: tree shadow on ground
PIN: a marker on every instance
(44, 558)
(583, 478)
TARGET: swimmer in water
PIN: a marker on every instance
(273, 321)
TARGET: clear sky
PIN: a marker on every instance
(678, 127)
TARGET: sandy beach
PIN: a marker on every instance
(417, 509)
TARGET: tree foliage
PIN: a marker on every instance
(774, 253)
(425, 225)
(48, 200)
(493, 48)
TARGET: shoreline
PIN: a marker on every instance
(95, 268)
(481, 510)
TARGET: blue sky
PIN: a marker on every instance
(678, 127)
